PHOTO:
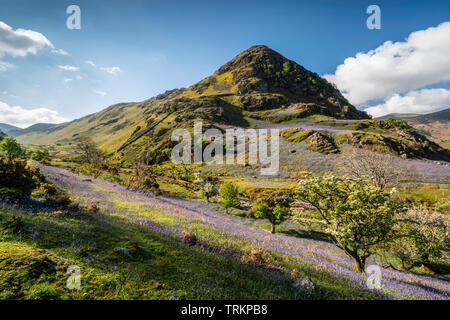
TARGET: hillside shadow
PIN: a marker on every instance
(303, 234)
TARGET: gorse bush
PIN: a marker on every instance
(13, 225)
(144, 180)
(40, 155)
(229, 194)
(48, 189)
(11, 147)
(401, 124)
(15, 174)
(10, 194)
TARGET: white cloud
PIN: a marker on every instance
(112, 70)
(67, 80)
(396, 67)
(21, 42)
(60, 52)
(69, 68)
(99, 92)
(421, 101)
(18, 116)
(4, 66)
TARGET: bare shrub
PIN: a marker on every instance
(189, 238)
(380, 168)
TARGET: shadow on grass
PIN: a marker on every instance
(312, 235)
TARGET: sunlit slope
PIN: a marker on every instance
(257, 79)
(109, 128)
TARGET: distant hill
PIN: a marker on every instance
(7, 127)
(257, 79)
(398, 116)
(33, 128)
(435, 124)
(441, 116)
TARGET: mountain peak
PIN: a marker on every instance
(257, 54)
(260, 78)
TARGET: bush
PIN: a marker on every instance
(15, 174)
(143, 180)
(93, 208)
(401, 124)
(10, 194)
(48, 189)
(91, 169)
(10, 146)
(13, 224)
(189, 238)
(63, 200)
(40, 155)
(43, 291)
(256, 257)
(229, 194)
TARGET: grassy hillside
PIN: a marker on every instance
(232, 257)
(110, 128)
(257, 79)
(435, 124)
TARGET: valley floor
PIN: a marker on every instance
(165, 268)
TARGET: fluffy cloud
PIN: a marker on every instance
(5, 66)
(69, 68)
(91, 63)
(396, 67)
(21, 42)
(421, 101)
(21, 117)
(66, 80)
(112, 70)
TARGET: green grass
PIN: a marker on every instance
(35, 268)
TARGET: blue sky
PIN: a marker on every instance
(142, 48)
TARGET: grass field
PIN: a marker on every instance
(36, 254)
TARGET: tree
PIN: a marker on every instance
(229, 194)
(11, 147)
(421, 236)
(376, 167)
(357, 215)
(88, 151)
(209, 185)
(274, 210)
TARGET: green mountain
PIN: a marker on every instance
(7, 127)
(258, 79)
(34, 128)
